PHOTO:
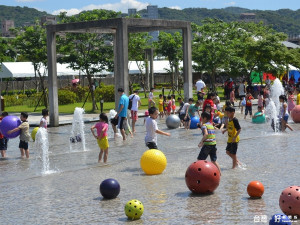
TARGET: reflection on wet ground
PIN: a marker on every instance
(71, 194)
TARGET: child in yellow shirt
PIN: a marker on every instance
(161, 106)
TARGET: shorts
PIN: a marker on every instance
(181, 116)
(121, 122)
(285, 118)
(248, 109)
(200, 97)
(23, 144)
(3, 143)
(134, 115)
(151, 145)
(232, 147)
(206, 150)
(103, 143)
(242, 97)
(114, 121)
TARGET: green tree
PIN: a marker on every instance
(87, 52)
(31, 45)
(7, 51)
(170, 46)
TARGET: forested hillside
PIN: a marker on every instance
(283, 20)
(21, 15)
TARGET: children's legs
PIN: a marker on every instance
(100, 155)
(242, 109)
(234, 159)
(105, 155)
(123, 134)
(114, 128)
(22, 152)
(133, 125)
(3, 153)
(217, 165)
(27, 153)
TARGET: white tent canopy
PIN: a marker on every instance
(25, 69)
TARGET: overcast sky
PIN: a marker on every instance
(76, 6)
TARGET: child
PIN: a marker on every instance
(3, 140)
(24, 136)
(152, 129)
(43, 122)
(165, 105)
(224, 120)
(259, 112)
(217, 120)
(208, 142)
(298, 96)
(173, 104)
(232, 97)
(161, 106)
(248, 108)
(114, 122)
(169, 105)
(101, 136)
(283, 114)
(151, 98)
(185, 115)
(291, 101)
(260, 99)
(234, 129)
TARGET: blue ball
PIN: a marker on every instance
(260, 119)
(280, 219)
(109, 188)
(194, 121)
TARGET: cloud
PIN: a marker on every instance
(230, 3)
(28, 0)
(122, 6)
(175, 7)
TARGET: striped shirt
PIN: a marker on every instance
(211, 137)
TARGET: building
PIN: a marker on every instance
(131, 12)
(5, 26)
(152, 13)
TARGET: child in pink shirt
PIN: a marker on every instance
(101, 136)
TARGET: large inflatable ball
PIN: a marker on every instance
(255, 189)
(194, 121)
(295, 114)
(109, 188)
(202, 177)
(173, 122)
(134, 209)
(260, 119)
(153, 162)
(33, 133)
(10, 123)
(280, 219)
(289, 201)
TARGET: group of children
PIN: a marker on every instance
(24, 133)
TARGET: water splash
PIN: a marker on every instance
(273, 108)
(77, 132)
(42, 148)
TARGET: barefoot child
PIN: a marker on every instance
(234, 129)
(43, 121)
(248, 108)
(101, 136)
(283, 114)
(161, 106)
(208, 142)
(3, 140)
(152, 129)
(173, 104)
(24, 136)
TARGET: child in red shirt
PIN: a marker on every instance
(248, 108)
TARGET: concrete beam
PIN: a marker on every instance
(52, 79)
(187, 62)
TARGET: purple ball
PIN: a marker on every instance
(10, 123)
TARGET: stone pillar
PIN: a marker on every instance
(52, 79)
(151, 68)
(187, 62)
(121, 59)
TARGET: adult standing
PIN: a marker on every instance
(136, 103)
(200, 85)
(242, 93)
(122, 111)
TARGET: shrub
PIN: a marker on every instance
(14, 100)
(66, 97)
(105, 92)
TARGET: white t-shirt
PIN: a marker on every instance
(151, 128)
(200, 85)
(185, 106)
(150, 95)
(135, 102)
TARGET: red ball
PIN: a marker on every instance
(289, 201)
(295, 114)
(255, 189)
(202, 177)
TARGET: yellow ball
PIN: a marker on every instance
(153, 162)
(33, 133)
(134, 209)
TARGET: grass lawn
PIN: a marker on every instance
(69, 109)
